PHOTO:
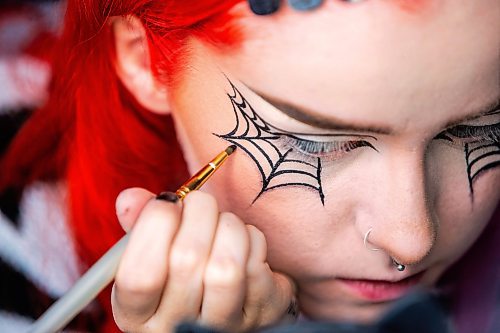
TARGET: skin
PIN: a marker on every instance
(376, 66)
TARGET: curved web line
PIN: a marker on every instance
(481, 152)
(265, 133)
(262, 151)
(284, 172)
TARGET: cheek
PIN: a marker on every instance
(303, 236)
(297, 230)
(450, 189)
(459, 229)
(201, 111)
(461, 216)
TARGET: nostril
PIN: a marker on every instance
(407, 244)
(406, 251)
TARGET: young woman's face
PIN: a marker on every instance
(353, 118)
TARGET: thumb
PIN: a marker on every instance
(129, 204)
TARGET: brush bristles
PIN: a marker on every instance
(230, 149)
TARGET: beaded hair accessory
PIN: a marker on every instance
(266, 7)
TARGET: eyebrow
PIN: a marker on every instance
(315, 119)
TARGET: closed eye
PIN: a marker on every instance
(468, 134)
(329, 150)
(477, 133)
(483, 129)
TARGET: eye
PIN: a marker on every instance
(485, 129)
(462, 134)
(329, 150)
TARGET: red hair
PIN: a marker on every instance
(91, 133)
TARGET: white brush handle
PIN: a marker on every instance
(82, 293)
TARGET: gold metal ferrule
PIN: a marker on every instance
(199, 178)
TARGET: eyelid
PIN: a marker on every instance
(465, 131)
(495, 110)
(326, 150)
(315, 119)
(331, 136)
(469, 134)
(476, 122)
(321, 132)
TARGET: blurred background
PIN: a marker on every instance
(27, 29)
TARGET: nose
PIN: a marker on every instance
(400, 216)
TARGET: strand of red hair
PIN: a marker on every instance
(92, 134)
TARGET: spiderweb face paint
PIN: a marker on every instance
(481, 146)
(284, 158)
(479, 158)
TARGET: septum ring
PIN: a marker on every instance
(399, 267)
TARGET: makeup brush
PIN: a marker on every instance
(104, 270)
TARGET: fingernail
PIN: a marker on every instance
(264, 7)
(304, 4)
(168, 196)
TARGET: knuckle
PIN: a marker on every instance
(258, 257)
(203, 199)
(230, 225)
(257, 234)
(223, 274)
(259, 272)
(185, 260)
(229, 217)
(136, 285)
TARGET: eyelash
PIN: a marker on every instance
(462, 134)
(332, 150)
(325, 149)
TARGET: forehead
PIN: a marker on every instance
(376, 60)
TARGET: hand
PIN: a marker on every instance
(186, 262)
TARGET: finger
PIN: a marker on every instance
(270, 295)
(224, 279)
(129, 204)
(143, 268)
(283, 301)
(189, 254)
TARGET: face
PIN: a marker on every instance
(353, 118)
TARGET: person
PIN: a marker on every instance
(367, 160)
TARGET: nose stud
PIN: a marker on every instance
(399, 267)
